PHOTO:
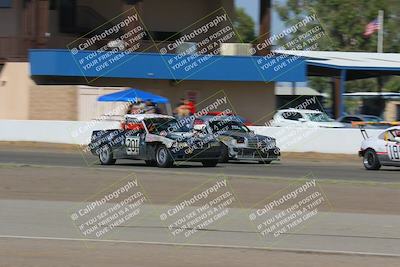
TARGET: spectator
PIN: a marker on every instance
(183, 110)
(191, 105)
(150, 108)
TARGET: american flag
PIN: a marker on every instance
(371, 27)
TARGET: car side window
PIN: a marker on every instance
(387, 136)
(293, 116)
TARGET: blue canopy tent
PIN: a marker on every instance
(133, 95)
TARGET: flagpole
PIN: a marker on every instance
(380, 32)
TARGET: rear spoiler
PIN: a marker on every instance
(363, 131)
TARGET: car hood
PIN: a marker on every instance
(332, 124)
(249, 136)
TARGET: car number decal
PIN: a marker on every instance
(132, 145)
(394, 152)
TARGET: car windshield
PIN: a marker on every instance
(217, 126)
(158, 125)
(318, 117)
(372, 119)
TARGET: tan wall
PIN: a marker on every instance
(50, 102)
(14, 91)
(254, 101)
(391, 110)
(21, 98)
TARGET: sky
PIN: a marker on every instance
(252, 8)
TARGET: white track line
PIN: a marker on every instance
(340, 252)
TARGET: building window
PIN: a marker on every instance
(5, 3)
(67, 16)
(53, 4)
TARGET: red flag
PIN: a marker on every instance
(371, 27)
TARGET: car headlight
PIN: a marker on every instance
(182, 144)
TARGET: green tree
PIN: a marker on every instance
(344, 23)
(244, 24)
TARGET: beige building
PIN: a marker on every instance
(52, 24)
(21, 98)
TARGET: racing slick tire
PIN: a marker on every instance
(210, 163)
(224, 154)
(163, 157)
(370, 160)
(106, 156)
(151, 163)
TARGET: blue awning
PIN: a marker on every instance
(92, 65)
(133, 95)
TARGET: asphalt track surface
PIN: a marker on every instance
(37, 226)
(287, 168)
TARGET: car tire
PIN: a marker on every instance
(210, 163)
(151, 163)
(371, 160)
(163, 157)
(224, 158)
(106, 156)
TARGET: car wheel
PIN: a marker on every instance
(210, 163)
(224, 158)
(106, 156)
(163, 157)
(371, 161)
(151, 163)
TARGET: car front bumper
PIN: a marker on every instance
(210, 153)
(255, 154)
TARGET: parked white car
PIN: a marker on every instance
(381, 150)
(304, 118)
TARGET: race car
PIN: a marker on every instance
(241, 143)
(160, 140)
(383, 150)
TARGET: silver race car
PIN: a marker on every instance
(241, 143)
(158, 139)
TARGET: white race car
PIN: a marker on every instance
(383, 150)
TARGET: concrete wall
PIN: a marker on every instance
(342, 141)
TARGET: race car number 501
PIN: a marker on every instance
(394, 152)
(132, 145)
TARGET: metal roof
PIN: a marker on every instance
(348, 65)
(349, 60)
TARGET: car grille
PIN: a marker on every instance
(259, 144)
